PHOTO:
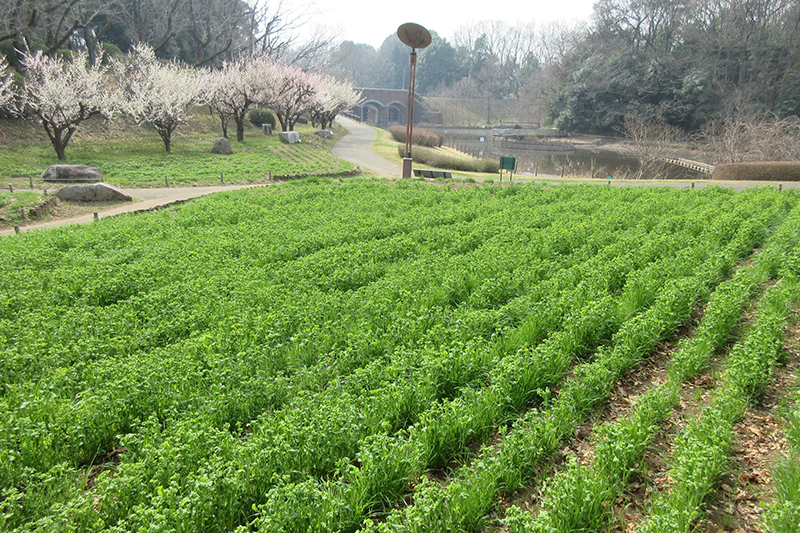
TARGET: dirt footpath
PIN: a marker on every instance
(144, 199)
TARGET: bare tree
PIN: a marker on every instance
(52, 24)
(747, 135)
(651, 143)
(152, 22)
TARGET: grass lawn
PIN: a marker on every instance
(133, 156)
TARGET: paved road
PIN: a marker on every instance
(355, 147)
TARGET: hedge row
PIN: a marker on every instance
(437, 159)
(419, 137)
(761, 171)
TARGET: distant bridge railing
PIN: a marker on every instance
(697, 166)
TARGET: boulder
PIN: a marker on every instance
(98, 192)
(325, 134)
(290, 137)
(222, 146)
(72, 174)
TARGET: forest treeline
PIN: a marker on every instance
(691, 64)
(685, 63)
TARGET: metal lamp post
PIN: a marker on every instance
(414, 36)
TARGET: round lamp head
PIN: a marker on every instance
(414, 35)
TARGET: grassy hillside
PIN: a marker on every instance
(133, 156)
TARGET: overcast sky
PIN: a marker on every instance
(371, 21)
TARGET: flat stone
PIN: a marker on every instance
(98, 192)
(325, 134)
(222, 146)
(72, 174)
(289, 137)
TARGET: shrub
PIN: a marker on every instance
(761, 171)
(112, 51)
(261, 116)
(443, 160)
(419, 137)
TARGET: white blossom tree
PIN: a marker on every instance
(236, 88)
(7, 92)
(64, 94)
(155, 92)
(292, 93)
(336, 96)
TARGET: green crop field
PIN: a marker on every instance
(357, 355)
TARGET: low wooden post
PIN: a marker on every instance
(16, 229)
(96, 215)
(10, 188)
(30, 178)
(166, 180)
(692, 185)
(780, 187)
(222, 178)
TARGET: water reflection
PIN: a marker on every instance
(582, 162)
(561, 158)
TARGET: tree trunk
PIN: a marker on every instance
(239, 127)
(166, 136)
(91, 44)
(284, 122)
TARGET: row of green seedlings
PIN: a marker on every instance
(406, 393)
(783, 514)
(189, 440)
(701, 451)
(387, 465)
(565, 283)
(467, 494)
(580, 498)
(278, 392)
(465, 502)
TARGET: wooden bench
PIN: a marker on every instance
(427, 173)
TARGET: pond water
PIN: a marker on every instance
(581, 162)
(571, 162)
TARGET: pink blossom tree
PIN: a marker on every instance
(292, 93)
(233, 90)
(62, 94)
(334, 97)
(156, 92)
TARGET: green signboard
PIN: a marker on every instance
(509, 164)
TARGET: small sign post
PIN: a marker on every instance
(509, 164)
